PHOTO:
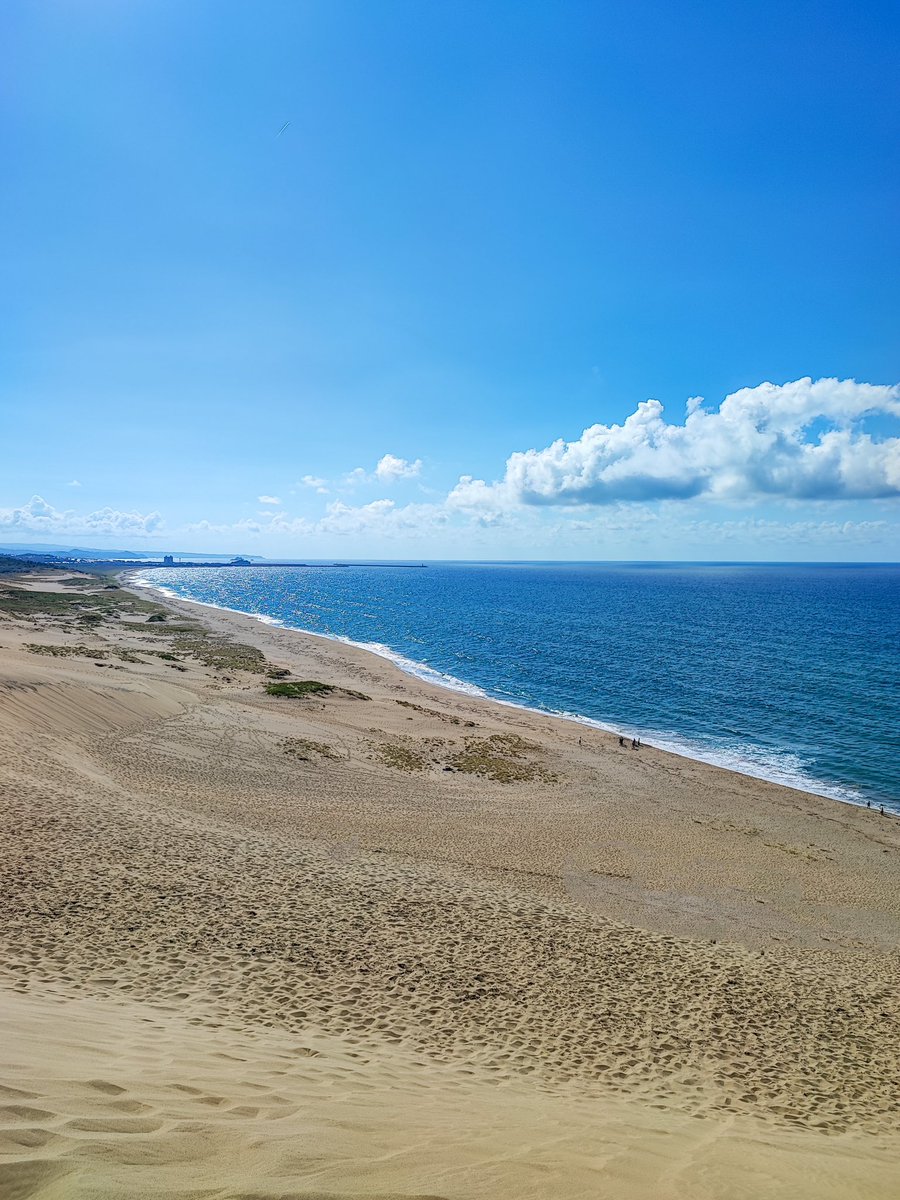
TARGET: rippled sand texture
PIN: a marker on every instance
(270, 947)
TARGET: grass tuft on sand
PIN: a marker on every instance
(502, 757)
(307, 750)
(80, 651)
(401, 758)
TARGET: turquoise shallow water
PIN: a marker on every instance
(790, 673)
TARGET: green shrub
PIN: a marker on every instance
(300, 688)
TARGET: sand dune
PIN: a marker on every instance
(119, 1098)
(415, 944)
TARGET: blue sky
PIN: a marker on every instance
(484, 229)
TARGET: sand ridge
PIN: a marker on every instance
(628, 939)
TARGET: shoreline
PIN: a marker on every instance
(672, 743)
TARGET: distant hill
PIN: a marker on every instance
(94, 553)
(10, 564)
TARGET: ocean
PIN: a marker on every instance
(785, 672)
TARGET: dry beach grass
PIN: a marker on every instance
(387, 940)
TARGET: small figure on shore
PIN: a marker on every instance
(621, 740)
(634, 743)
(882, 810)
(579, 741)
(868, 804)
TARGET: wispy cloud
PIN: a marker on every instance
(247, 526)
(380, 517)
(757, 444)
(76, 483)
(269, 499)
(755, 531)
(318, 485)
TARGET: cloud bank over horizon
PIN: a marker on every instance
(37, 516)
(791, 452)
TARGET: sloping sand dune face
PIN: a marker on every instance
(247, 951)
(119, 1098)
(30, 703)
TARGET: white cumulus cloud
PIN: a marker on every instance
(390, 468)
(37, 516)
(760, 442)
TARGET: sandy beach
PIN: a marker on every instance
(381, 939)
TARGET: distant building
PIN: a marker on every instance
(168, 560)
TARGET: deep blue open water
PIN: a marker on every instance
(790, 673)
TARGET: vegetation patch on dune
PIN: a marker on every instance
(92, 581)
(222, 654)
(81, 581)
(307, 750)
(502, 757)
(65, 651)
(400, 757)
(433, 712)
(80, 651)
(166, 630)
(299, 689)
(74, 605)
